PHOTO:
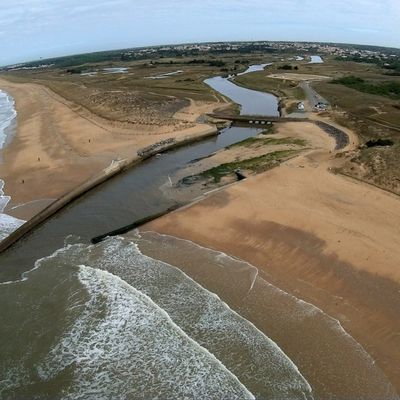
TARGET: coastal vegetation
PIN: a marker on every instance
(287, 67)
(261, 141)
(362, 95)
(389, 89)
(261, 81)
(256, 165)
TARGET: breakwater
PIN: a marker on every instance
(111, 171)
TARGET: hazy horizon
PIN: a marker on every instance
(188, 43)
(34, 29)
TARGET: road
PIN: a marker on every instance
(312, 96)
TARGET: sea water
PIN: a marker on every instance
(331, 361)
(93, 322)
(7, 124)
(119, 319)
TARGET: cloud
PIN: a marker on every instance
(36, 28)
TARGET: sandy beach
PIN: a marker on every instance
(59, 145)
(327, 239)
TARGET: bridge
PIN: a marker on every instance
(341, 138)
(254, 119)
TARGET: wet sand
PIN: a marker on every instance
(328, 240)
(59, 145)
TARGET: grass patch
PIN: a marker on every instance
(256, 164)
(362, 109)
(284, 89)
(389, 88)
(258, 142)
(261, 82)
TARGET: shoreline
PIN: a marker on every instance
(281, 316)
(317, 236)
(112, 170)
(54, 149)
(307, 236)
(8, 115)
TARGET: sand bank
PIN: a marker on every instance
(59, 145)
(331, 241)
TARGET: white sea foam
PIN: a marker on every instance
(236, 342)
(226, 259)
(299, 311)
(13, 377)
(8, 224)
(7, 115)
(124, 346)
(38, 264)
(115, 342)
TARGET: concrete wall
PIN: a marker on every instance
(109, 172)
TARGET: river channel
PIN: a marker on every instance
(146, 316)
(134, 194)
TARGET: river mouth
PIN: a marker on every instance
(146, 316)
(134, 194)
(130, 196)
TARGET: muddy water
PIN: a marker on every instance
(332, 362)
(124, 199)
(119, 319)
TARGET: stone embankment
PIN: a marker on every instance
(341, 138)
(154, 148)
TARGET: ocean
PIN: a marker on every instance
(120, 320)
(7, 124)
(108, 321)
(105, 321)
(150, 316)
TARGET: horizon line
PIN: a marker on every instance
(188, 43)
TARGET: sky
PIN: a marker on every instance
(31, 29)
